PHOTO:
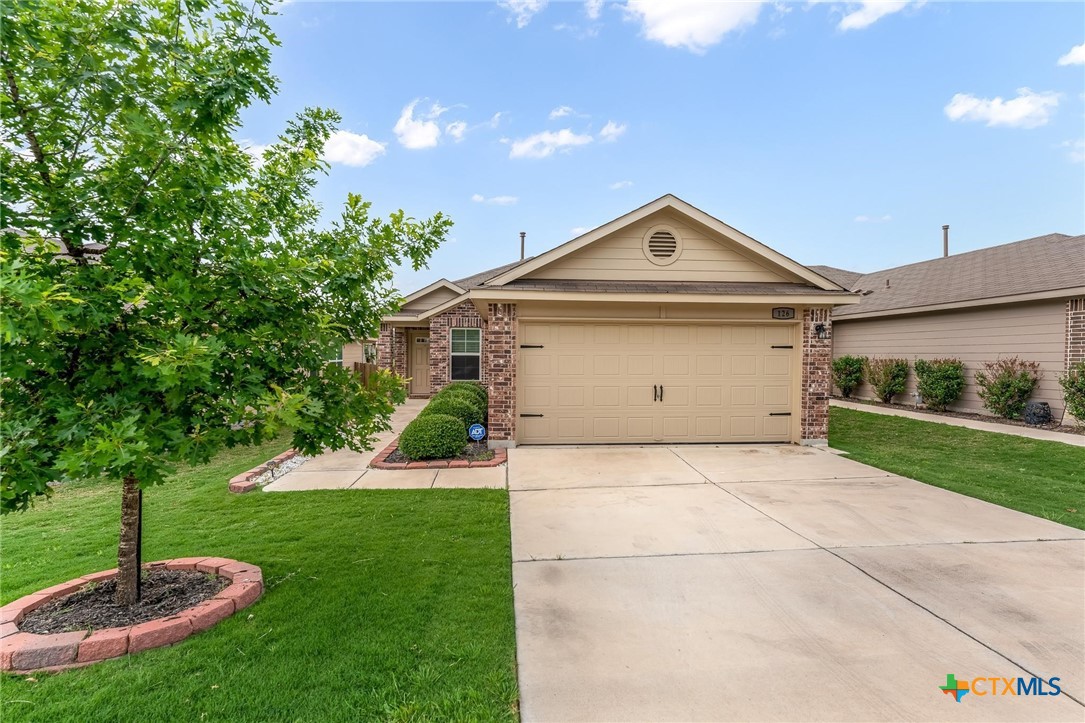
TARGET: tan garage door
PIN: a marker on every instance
(611, 383)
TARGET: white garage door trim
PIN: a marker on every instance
(621, 381)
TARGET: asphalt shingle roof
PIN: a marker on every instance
(664, 287)
(1045, 263)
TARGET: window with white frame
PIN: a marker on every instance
(466, 354)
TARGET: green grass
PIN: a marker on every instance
(392, 605)
(1046, 479)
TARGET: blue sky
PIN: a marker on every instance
(836, 133)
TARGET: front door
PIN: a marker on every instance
(419, 357)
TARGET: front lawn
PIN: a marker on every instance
(1046, 479)
(392, 605)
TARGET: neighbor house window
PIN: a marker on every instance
(466, 354)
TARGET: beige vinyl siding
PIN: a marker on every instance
(354, 352)
(705, 256)
(1035, 331)
(434, 298)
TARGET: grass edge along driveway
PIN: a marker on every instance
(394, 605)
(1041, 478)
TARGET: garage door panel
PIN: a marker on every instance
(595, 382)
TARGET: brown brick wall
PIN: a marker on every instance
(817, 359)
(499, 363)
(461, 316)
(1075, 331)
(392, 349)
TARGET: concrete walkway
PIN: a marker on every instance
(345, 469)
(1078, 440)
(779, 583)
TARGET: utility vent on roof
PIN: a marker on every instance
(662, 246)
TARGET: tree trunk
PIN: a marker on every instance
(129, 550)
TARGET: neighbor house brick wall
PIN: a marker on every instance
(817, 360)
(1075, 331)
(392, 349)
(499, 363)
(440, 347)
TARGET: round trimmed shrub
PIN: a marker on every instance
(433, 436)
(940, 382)
(1073, 385)
(477, 390)
(462, 408)
(464, 395)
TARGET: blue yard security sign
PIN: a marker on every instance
(476, 432)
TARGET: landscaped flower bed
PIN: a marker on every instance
(45, 630)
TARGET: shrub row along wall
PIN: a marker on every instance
(1036, 332)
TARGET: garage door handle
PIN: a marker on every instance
(531, 346)
(661, 392)
(655, 393)
(779, 414)
(530, 415)
(782, 346)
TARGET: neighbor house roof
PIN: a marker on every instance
(1041, 267)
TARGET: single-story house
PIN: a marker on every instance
(1024, 299)
(663, 325)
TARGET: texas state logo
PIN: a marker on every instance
(983, 687)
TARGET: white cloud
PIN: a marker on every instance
(593, 9)
(456, 129)
(352, 149)
(695, 25)
(1028, 110)
(420, 132)
(495, 120)
(1076, 56)
(544, 144)
(254, 151)
(1075, 150)
(870, 12)
(612, 131)
(561, 111)
(873, 219)
(495, 200)
(579, 230)
(522, 10)
(619, 185)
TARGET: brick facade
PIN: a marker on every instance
(1075, 331)
(392, 349)
(462, 316)
(817, 360)
(499, 353)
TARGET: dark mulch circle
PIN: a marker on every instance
(165, 592)
(473, 452)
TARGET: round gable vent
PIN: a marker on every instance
(662, 246)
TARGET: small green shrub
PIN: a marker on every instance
(848, 373)
(476, 389)
(1073, 388)
(1005, 385)
(939, 381)
(464, 395)
(461, 407)
(888, 377)
(433, 436)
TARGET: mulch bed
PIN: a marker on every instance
(165, 593)
(473, 452)
(1050, 426)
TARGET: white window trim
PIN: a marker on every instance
(452, 354)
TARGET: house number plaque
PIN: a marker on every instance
(783, 312)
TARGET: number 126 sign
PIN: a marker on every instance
(783, 312)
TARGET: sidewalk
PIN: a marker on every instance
(346, 469)
(1076, 440)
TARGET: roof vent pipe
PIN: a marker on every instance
(523, 235)
(945, 240)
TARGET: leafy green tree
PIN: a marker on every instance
(165, 295)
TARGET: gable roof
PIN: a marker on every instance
(675, 204)
(479, 279)
(1037, 266)
(843, 277)
(438, 284)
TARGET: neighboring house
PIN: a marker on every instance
(360, 352)
(664, 325)
(1023, 299)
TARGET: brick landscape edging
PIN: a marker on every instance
(242, 483)
(500, 457)
(29, 652)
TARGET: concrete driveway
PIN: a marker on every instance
(780, 583)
